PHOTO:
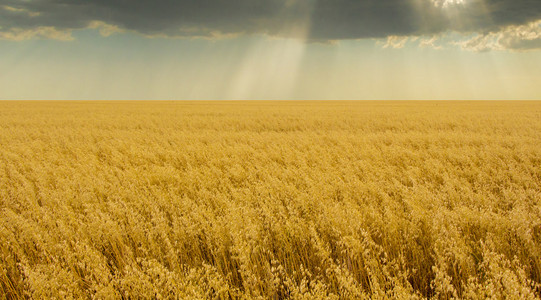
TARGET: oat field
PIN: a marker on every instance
(270, 200)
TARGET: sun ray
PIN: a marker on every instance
(272, 64)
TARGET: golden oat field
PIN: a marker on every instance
(270, 200)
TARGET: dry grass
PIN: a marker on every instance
(300, 200)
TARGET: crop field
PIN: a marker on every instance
(270, 200)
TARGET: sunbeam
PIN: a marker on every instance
(269, 49)
(271, 68)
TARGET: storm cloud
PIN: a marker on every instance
(318, 20)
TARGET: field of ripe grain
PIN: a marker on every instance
(270, 200)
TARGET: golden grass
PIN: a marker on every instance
(270, 200)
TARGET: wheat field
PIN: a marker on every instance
(270, 200)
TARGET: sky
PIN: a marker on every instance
(270, 49)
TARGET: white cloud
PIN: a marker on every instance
(46, 32)
(447, 3)
(104, 28)
(21, 11)
(430, 42)
(514, 38)
(396, 42)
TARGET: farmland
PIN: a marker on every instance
(270, 200)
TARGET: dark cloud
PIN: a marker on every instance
(319, 19)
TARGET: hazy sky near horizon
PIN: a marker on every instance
(270, 49)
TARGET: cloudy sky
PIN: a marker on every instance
(270, 49)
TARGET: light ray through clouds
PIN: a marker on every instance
(271, 68)
(454, 11)
(274, 68)
(270, 49)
